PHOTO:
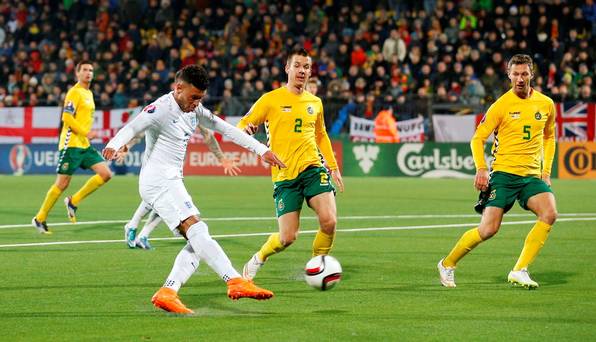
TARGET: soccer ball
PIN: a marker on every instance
(322, 272)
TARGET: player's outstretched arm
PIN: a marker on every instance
(229, 165)
(134, 128)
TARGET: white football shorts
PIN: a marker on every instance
(171, 202)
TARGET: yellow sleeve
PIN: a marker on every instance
(549, 141)
(71, 103)
(256, 115)
(487, 126)
(323, 141)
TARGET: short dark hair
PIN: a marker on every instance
(195, 75)
(521, 59)
(81, 63)
(297, 51)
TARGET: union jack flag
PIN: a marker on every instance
(575, 122)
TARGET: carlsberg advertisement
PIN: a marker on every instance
(430, 160)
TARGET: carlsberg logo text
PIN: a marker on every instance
(412, 163)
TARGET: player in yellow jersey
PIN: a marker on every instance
(295, 126)
(75, 149)
(523, 121)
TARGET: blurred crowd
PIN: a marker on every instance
(405, 53)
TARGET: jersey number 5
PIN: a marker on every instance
(527, 132)
(298, 126)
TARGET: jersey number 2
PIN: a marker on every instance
(298, 126)
(527, 132)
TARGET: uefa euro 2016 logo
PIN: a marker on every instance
(20, 159)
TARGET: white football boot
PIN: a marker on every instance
(447, 274)
(130, 233)
(522, 277)
(250, 269)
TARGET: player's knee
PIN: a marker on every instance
(328, 224)
(488, 231)
(549, 216)
(62, 184)
(189, 222)
(106, 176)
(288, 238)
(199, 230)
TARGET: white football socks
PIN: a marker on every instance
(185, 265)
(141, 211)
(153, 221)
(210, 251)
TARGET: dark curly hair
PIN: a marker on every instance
(195, 75)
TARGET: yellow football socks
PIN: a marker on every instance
(48, 203)
(466, 243)
(322, 243)
(534, 242)
(272, 246)
(91, 185)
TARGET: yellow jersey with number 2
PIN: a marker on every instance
(295, 128)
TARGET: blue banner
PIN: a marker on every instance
(20, 159)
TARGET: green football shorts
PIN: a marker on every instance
(289, 194)
(504, 188)
(73, 157)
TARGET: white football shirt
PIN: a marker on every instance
(167, 132)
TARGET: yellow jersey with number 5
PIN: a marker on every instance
(295, 128)
(524, 130)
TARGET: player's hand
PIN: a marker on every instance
(251, 129)
(230, 167)
(108, 153)
(481, 180)
(121, 154)
(273, 160)
(546, 178)
(92, 134)
(336, 175)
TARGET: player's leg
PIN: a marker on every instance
(90, 159)
(177, 210)
(324, 205)
(288, 203)
(102, 176)
(185, 264)
(39, 221)
(544, 206)
(501, 197)
(289, 224)
(208, 250)
(489, 226)
(320, 196)
(142, 240)
(130, 228)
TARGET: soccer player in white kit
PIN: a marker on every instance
(169, 123)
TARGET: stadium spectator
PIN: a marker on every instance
(386, 127)
(132, 40)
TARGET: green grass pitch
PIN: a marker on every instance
(97, 289)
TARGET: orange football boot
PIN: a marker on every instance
(242, 288)
(167, 299)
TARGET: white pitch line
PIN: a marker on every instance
(346, 230)
(266, 218)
